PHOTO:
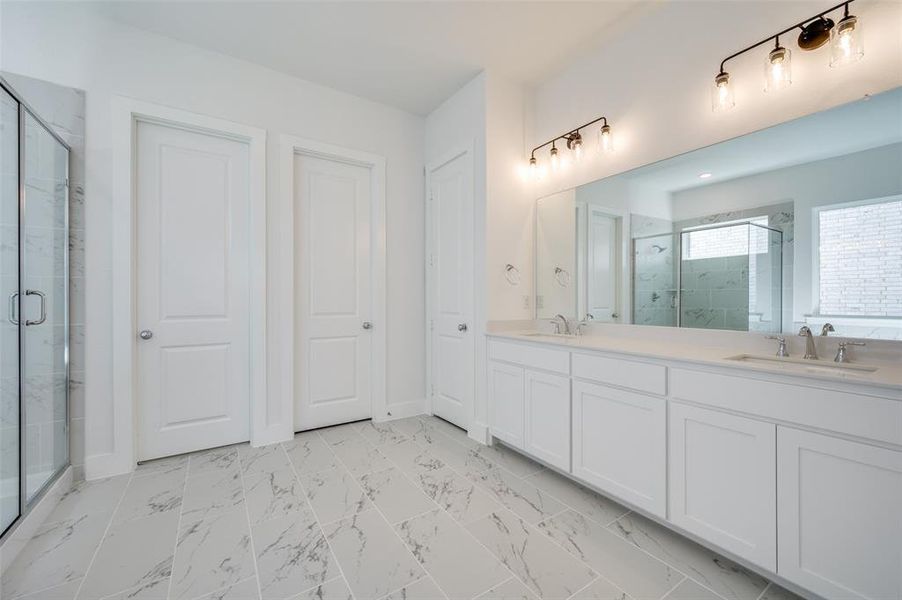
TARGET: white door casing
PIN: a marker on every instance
(333, 274)
(119, 454)
(451, 331)
(290, 247)
(193, 290)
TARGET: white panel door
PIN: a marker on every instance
(193, 227)
(619, 444)
(548, 418)
(723, 480)
(839, 507)
(451, 290)
(602, 267)
(333, 275)
(507, 402)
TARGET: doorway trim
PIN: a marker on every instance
(126, 113)
(465, 149)
(291, 146)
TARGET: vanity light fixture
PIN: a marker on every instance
(574, 143)
(845, 47)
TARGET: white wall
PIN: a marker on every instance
(65, 44)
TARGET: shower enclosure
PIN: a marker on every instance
(34, 334)
(726, 276)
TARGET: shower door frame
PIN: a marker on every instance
(24, 505)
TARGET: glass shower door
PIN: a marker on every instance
(9, 330)
(43, 306)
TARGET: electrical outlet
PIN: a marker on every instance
(525, 301)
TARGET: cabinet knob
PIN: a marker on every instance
(461, 326)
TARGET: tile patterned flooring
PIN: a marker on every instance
(411, 509)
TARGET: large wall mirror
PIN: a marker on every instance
(798, 224)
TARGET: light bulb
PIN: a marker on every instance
(576, 144)
(722, 93)
(777, 69)
(533, 168)
(605, 139)
(845, 42)
(555, 159)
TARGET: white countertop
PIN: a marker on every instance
(888, 374)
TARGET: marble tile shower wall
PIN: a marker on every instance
(654, 274)
(63, 108)
(714, 293)
(779, 216)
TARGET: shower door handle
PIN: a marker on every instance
(43, 298)
(13, 298)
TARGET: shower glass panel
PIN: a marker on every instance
(654, 280)
(9, 332)
(731, 278)
(43, 305)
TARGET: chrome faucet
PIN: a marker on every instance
(583, 323)
(781, 349)
(810, 348)
(841, 354)
(827, 329)
(561, 324)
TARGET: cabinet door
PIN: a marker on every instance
(723, 480)
(548, 418)
(507, 400)
(839, 507)
(619, 444)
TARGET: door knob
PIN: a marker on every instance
(145, 334)
(461, 326)
(367, 325)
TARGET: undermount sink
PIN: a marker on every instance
(801, 365)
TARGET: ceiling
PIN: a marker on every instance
(411, 55)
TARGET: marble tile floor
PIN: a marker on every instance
(411, 509)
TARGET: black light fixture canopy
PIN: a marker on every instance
(816, 33)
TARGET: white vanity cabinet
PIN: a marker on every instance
(619, 443)
(840, 515)
(798, 476)
(723, 479)
(529, 396)
(506, 402)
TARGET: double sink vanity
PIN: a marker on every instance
(721, 386)
(792, 465)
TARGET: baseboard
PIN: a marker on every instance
(402, 410)
(480, 433)
(272, 435)
(101, 466)
(28, 526)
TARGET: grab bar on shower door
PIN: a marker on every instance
(43, 298)
(12, 308)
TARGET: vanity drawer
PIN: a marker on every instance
(641, 376)
(843, 412)
(536, 357)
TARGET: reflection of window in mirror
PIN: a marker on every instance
(859, 262)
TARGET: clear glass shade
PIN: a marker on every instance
(605, 139)
(845, 42)
(722, 93)
(778, 69)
